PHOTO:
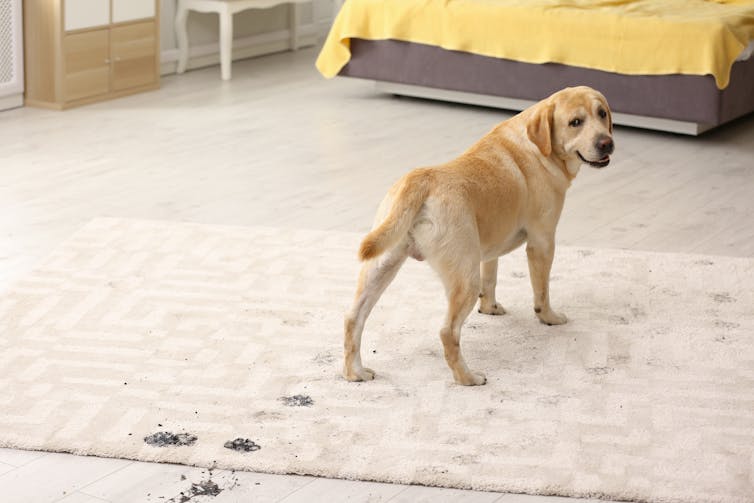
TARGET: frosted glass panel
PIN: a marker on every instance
(11, 49)
(128, 10)
(86, 13)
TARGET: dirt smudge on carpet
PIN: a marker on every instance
(242, 445)
(167, 439)
(297, 401)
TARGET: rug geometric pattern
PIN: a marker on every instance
(135, 327)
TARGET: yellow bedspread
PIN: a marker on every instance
(697, 37)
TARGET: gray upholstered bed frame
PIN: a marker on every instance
(685, 104)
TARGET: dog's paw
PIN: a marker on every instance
(472, 379)
(493, 309)
(356, 375)
(551, 318)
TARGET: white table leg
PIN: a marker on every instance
(294, 17)
(181, 33)
(226, 42)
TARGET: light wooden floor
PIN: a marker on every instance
(280, 146)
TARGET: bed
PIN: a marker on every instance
(684, 66)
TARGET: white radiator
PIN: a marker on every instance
(11, 54)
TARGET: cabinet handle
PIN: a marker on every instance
(107, 61)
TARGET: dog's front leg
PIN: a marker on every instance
(540, 253)
(487, 302)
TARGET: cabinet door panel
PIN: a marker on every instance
(86, 64)
(134, 49)
(129, 10)
(86, 13)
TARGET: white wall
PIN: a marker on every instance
(255, 32)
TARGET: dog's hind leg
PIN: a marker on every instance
(375, 276)
(487, 302)
(462, 289)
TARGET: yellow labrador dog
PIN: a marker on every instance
(506, 190)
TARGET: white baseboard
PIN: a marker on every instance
(201, 56)
(673, 126)
(12, 101)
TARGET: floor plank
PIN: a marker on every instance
(144, 482)
(420, 494)
(54, 477)
(78, 497)
(262, 487)
(18, 458)
(4, 468)
(339, 491)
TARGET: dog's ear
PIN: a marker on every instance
(539, 129)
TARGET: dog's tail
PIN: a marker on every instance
(413, 191)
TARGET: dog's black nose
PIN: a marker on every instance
(605, 145)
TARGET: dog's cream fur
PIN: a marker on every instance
(506, 190)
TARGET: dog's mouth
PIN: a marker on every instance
(597, 164)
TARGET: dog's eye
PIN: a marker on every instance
(602, 113)
(575, 123)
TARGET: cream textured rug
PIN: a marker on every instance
(133, 328)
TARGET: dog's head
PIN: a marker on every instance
(572, 124)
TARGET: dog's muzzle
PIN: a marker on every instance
(604, 146)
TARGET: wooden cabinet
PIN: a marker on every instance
(81, 51)
(132, 54)
(86, 65)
